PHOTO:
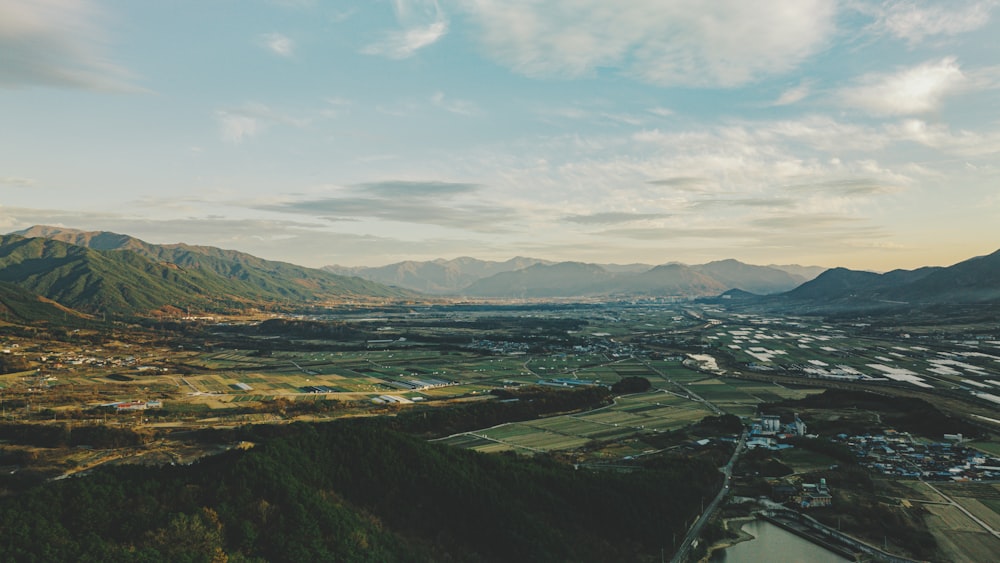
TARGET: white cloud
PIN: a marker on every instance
(56, 43)
(423, 25)
(460, 107)
(17, 182)
(795, 94)
(915, 90)
(915, 21)
(939, 136)
(247, 121)
(235, 128)
(720, 43)
(279, 44)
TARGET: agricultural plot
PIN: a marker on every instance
(827, 352)
(643, 413)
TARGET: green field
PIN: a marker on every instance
(631, 415)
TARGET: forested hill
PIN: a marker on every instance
(355, 491)
(138, 280)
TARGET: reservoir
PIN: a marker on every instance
(774, 545)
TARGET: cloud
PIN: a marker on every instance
(278, 44)
(460, 107)
(247, 121)
(915, 21)
(848, 187)
(670, 43)
(745, 202)
(794, 95)
(17, 182)
(235, 127)
(940, 136)
(916, 90)
(415, 190)
(811, 221)
(611, 217)
(683, 183)
(56, 43)
(673, 233)
(423, 25)
(431, 203)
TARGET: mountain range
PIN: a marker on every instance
(52, 272)
(972, 281)
(534, 278)
(100, 272)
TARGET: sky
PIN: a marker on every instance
(851, 133)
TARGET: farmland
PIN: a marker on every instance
(696, 362)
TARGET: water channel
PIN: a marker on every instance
(774, 545)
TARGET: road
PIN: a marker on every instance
(706, 515)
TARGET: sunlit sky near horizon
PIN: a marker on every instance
(837, 133)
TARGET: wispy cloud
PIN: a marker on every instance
(244, 122)
(721, 43)
(17, 182)
(57, 43)
(909, 91)
(613, 217)
(430, 203)
(423, 24)
(278, 44)
(915, 21)
(795, 94)
(460, 107)
(939, 136)
(683, 183)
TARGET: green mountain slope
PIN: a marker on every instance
(20, 306)
(228, 274)
(140, 281)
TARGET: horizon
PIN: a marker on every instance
(863, 135)
(500, 260)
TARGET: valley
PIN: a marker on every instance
(122, 358)
(165, 389)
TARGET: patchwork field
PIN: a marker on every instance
(631, 415)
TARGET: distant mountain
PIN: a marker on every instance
(972, 281)
(437, 276)
(755, 279)
(576, 279)
(668, 280)
(564, 279)
(976, 280)
(806, 273)
(520, 277)
(99, 271)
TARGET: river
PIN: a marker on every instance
(774, 545)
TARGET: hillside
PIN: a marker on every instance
(976, 280)
(973, 281)
(20, 306)
(225, 274)
(355, 490)
(128, 282)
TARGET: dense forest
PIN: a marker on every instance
(355, 490)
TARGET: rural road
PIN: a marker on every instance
(727, 470)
